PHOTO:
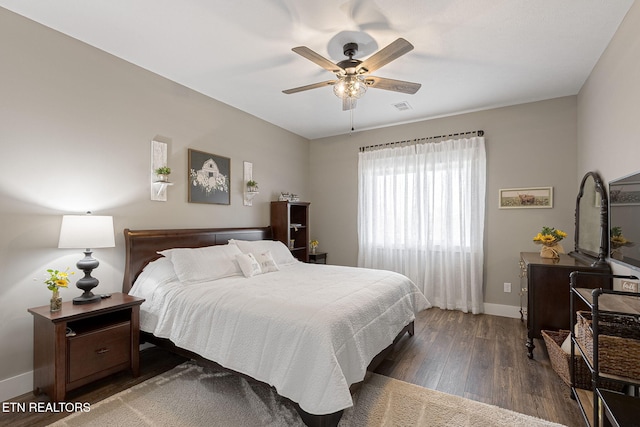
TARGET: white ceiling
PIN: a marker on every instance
(469, 54)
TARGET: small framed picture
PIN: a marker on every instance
(531, 197)
(209, 178)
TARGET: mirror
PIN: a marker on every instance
(591, 237)
(624, 211)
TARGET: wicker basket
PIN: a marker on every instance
(560, 360)
(560, 363)
(618, 342)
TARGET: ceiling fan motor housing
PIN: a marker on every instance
(350, 49)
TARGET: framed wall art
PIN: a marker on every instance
(531, 197)
(209, 178)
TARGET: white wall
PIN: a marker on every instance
(76, 126)
(528, 145)
(608, 120)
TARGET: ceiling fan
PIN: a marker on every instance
(353, 77)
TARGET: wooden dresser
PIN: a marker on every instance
(547, 288)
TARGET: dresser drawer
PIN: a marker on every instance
(99, 350)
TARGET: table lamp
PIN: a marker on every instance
(86, 231)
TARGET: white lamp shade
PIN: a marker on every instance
(86, 231)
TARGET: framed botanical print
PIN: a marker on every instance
(209, 178)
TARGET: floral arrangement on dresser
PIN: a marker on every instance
(618, 241)
(550, 238)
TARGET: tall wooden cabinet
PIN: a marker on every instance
(548, 291)
(290, 225)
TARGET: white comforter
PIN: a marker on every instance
(308, 330)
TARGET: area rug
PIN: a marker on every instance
(191, 395)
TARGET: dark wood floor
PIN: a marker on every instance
(479, 357)
(482, 358)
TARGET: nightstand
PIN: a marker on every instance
(82, 343)
(318, 258)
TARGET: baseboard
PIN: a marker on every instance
(23, 383)
(16, 386)
(502, 310)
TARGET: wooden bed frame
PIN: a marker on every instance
(142, 247)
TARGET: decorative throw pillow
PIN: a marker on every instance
(194, 265)
(267, 263)
(281, 254)
(249, 265)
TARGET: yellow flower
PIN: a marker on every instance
(619, 240)
(547, 239)
(549, 236)
(57, 279)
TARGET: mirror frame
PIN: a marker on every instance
(589, 257)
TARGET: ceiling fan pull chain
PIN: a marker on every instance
(351, 113)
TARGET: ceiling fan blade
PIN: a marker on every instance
(393, 85)
(385, 55)
(317, 58)
(311, 86)
(349, 103)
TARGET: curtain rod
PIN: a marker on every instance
(417, 140)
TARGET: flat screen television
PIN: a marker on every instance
(624, 220)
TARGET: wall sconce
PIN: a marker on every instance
(159, 171)
(86, 231)
(250, 186)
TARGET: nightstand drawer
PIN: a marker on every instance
(99, 350)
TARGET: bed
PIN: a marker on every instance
(310, 331)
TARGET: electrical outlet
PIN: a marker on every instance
(629, 286)
(507, 287)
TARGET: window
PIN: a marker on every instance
(421, 213)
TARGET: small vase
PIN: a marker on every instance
(313, 250)
(616, 254)
(56, 302)
(552, 252)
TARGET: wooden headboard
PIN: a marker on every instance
(142, 245)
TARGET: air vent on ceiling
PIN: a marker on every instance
(402, 106)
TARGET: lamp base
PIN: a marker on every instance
(87, 298)
(87, 264)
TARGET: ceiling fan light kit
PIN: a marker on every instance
(350, 87)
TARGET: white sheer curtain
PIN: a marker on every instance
(421, 213)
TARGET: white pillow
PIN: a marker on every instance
(267, 263)
(194, 265)
(280, 253)
(154, 274)
(249, 265)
